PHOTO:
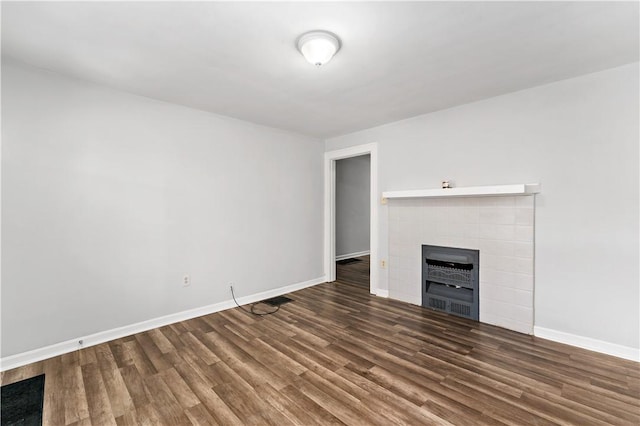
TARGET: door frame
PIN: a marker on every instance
(330, 159)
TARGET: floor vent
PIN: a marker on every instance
(277, 301)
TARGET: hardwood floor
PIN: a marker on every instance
(335, 355)
(354, 273)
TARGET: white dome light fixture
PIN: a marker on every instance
(318, 47)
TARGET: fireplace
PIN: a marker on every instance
(500, 228)
(450, 280)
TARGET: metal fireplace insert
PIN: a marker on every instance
(450, 279)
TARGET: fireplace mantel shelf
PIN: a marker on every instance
(469, 191)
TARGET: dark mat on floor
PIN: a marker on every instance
(348, 261)
(21, 402)
(278, 300)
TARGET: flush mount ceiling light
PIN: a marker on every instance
(318, 47)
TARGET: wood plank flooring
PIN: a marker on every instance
(335, 355)
(354, 273)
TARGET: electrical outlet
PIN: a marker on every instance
(383, 264)
(186, 281)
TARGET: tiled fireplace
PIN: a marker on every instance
(500, 227)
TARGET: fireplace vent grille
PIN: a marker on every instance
(450, 280)
(452, 273)
(460, 309)
(437, 303)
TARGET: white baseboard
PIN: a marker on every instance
(614, 349)
(382, 293)
(350, 255)
(56, 349)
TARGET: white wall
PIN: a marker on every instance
(109, 198)
(579, 139)
(353, 204)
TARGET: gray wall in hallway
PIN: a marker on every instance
(353, 186)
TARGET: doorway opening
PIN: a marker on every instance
(331, 158)
(353, 219)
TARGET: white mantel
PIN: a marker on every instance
(469, 191)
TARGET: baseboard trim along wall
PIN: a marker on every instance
(350, 255)
(619, 351)
(382, 293)
(46, 352)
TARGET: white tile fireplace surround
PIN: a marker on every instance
(500, 227)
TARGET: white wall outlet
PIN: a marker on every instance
(186, 281)
(383, 264)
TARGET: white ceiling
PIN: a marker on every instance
(398, 59)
